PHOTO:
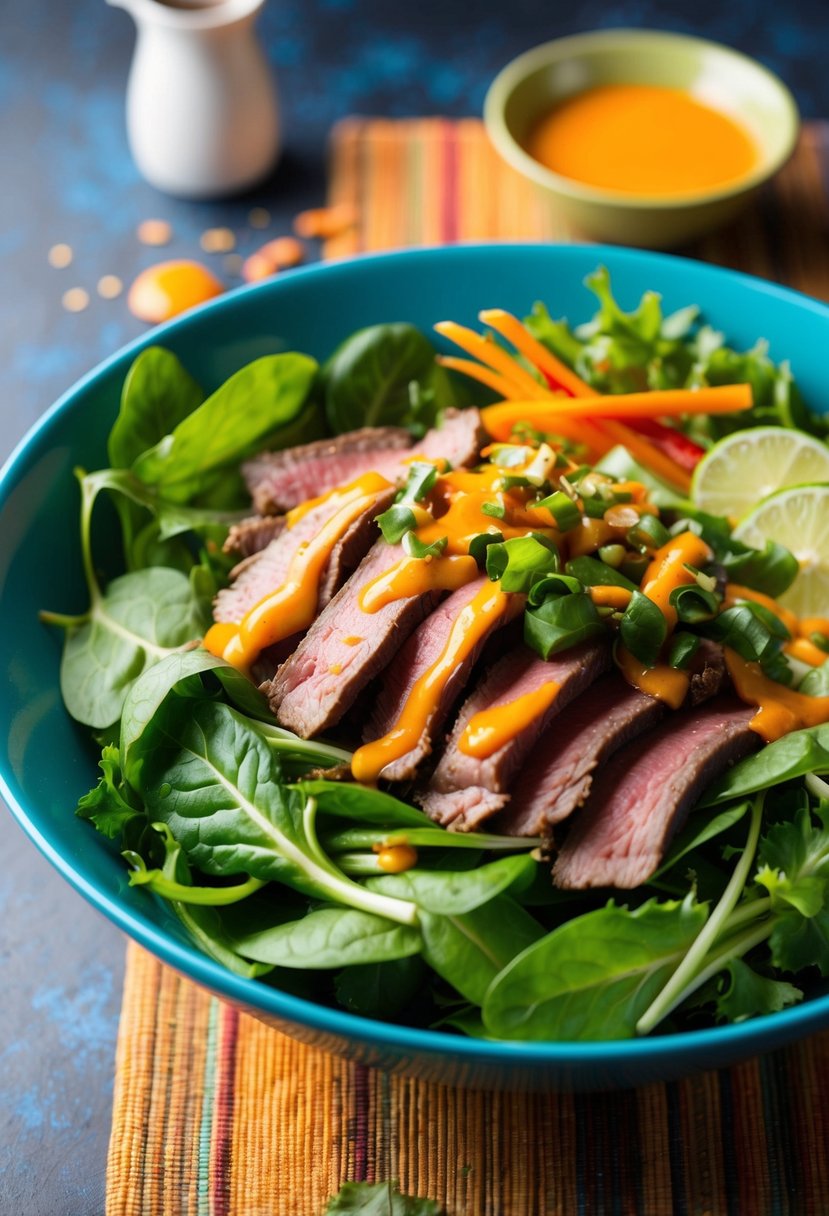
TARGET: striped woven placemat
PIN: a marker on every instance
(216, 1114)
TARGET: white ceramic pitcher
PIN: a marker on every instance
(202, 113)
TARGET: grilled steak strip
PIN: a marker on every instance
(559, 771)
(261, 574)
(424, 648)
(253, 535)
(278, 481)
(465, 790)
(344, 649)
(557, 777)
(643, 794)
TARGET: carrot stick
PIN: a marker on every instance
(499, 421)
(658, 403)
(477, 371)
(494, 356)
(643, 451)
(511, 328)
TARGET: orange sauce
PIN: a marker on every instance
(292, 606)
(470, 626)
(643, 139)
(779, 709)
(734, 593)
(416, 576)
(610, 597)
(487, 732)
(163, 291)
(366, 483)
(666, 683)
(806, 651)
(667, 571)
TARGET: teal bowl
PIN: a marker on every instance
(46, 761)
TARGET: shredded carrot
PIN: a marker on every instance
(494, 356)
(806, 651)
(512, 329)
(643, 451)
(477, 371)
(659, 403)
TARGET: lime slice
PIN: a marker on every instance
(796, 518)
(749, 465)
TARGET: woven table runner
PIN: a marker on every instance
(216, 1114)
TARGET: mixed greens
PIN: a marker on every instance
(274, 869)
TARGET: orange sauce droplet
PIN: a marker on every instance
(643, 139)
(666, 683)
(415, 576)
(779, 709)
(488, 731)
(169, 288)
(667, 571)
(397, 858)
(610, 597)
(470, 626)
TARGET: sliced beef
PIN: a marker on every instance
(558, 775)
(465, 790)
(643, 794)
(559, 771)
(259, 575)
(424, 648)
(253, 535)
(344, 649)
(278, 481)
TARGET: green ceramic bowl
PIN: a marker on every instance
(531, 85)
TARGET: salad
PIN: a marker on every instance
(504, 708)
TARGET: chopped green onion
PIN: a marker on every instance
(643, 629)
(561, 622)
(420, 480)
(649, 532)
(416, 548)
(593, 573)
(821, 640)
(563, 510)
(395, 522)
(496, 509)
(694, 604)
(519, 563)
(612, 555)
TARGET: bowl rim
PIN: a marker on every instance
(746, 1038)
(518, 69)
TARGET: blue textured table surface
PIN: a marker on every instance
(67, 177)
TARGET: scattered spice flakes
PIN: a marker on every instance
(75, 299)
(322, 223)
(217, 240)
(259, 217)
(154, 232)
(279, 254)
(60, 256)
(110, 286)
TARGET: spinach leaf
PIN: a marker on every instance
(366, 381)
(801, 752)
(158, 394)
(267, 394)
(643, 629)
(593, 976)
(698, 831)
(380, 990)
(328, 938)
(454, 892)
(519, 563)
(363, 803)
(214, 781)
(771, 570)
(560, 622)
(816, 682)
(593, 573)
(141, 618)
(378, 1199)
(794, 860)
(469, 949)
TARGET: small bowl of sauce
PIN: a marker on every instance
(640, 137)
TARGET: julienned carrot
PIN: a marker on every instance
(658, 403)
(494, 356)
(501, 419)
(644, 451)
(484, 375)
(514, 331)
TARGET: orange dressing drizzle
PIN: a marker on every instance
(589, 536)
(610, 597)
(779, 709)
(813, 624)
(667, 684)
(470, 627)
(415, 576)
(292, 606)
(366, 483)
(488, 731)
(667, 571)
(806, 651)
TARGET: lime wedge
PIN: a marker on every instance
(796, 518)
(749, 465)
